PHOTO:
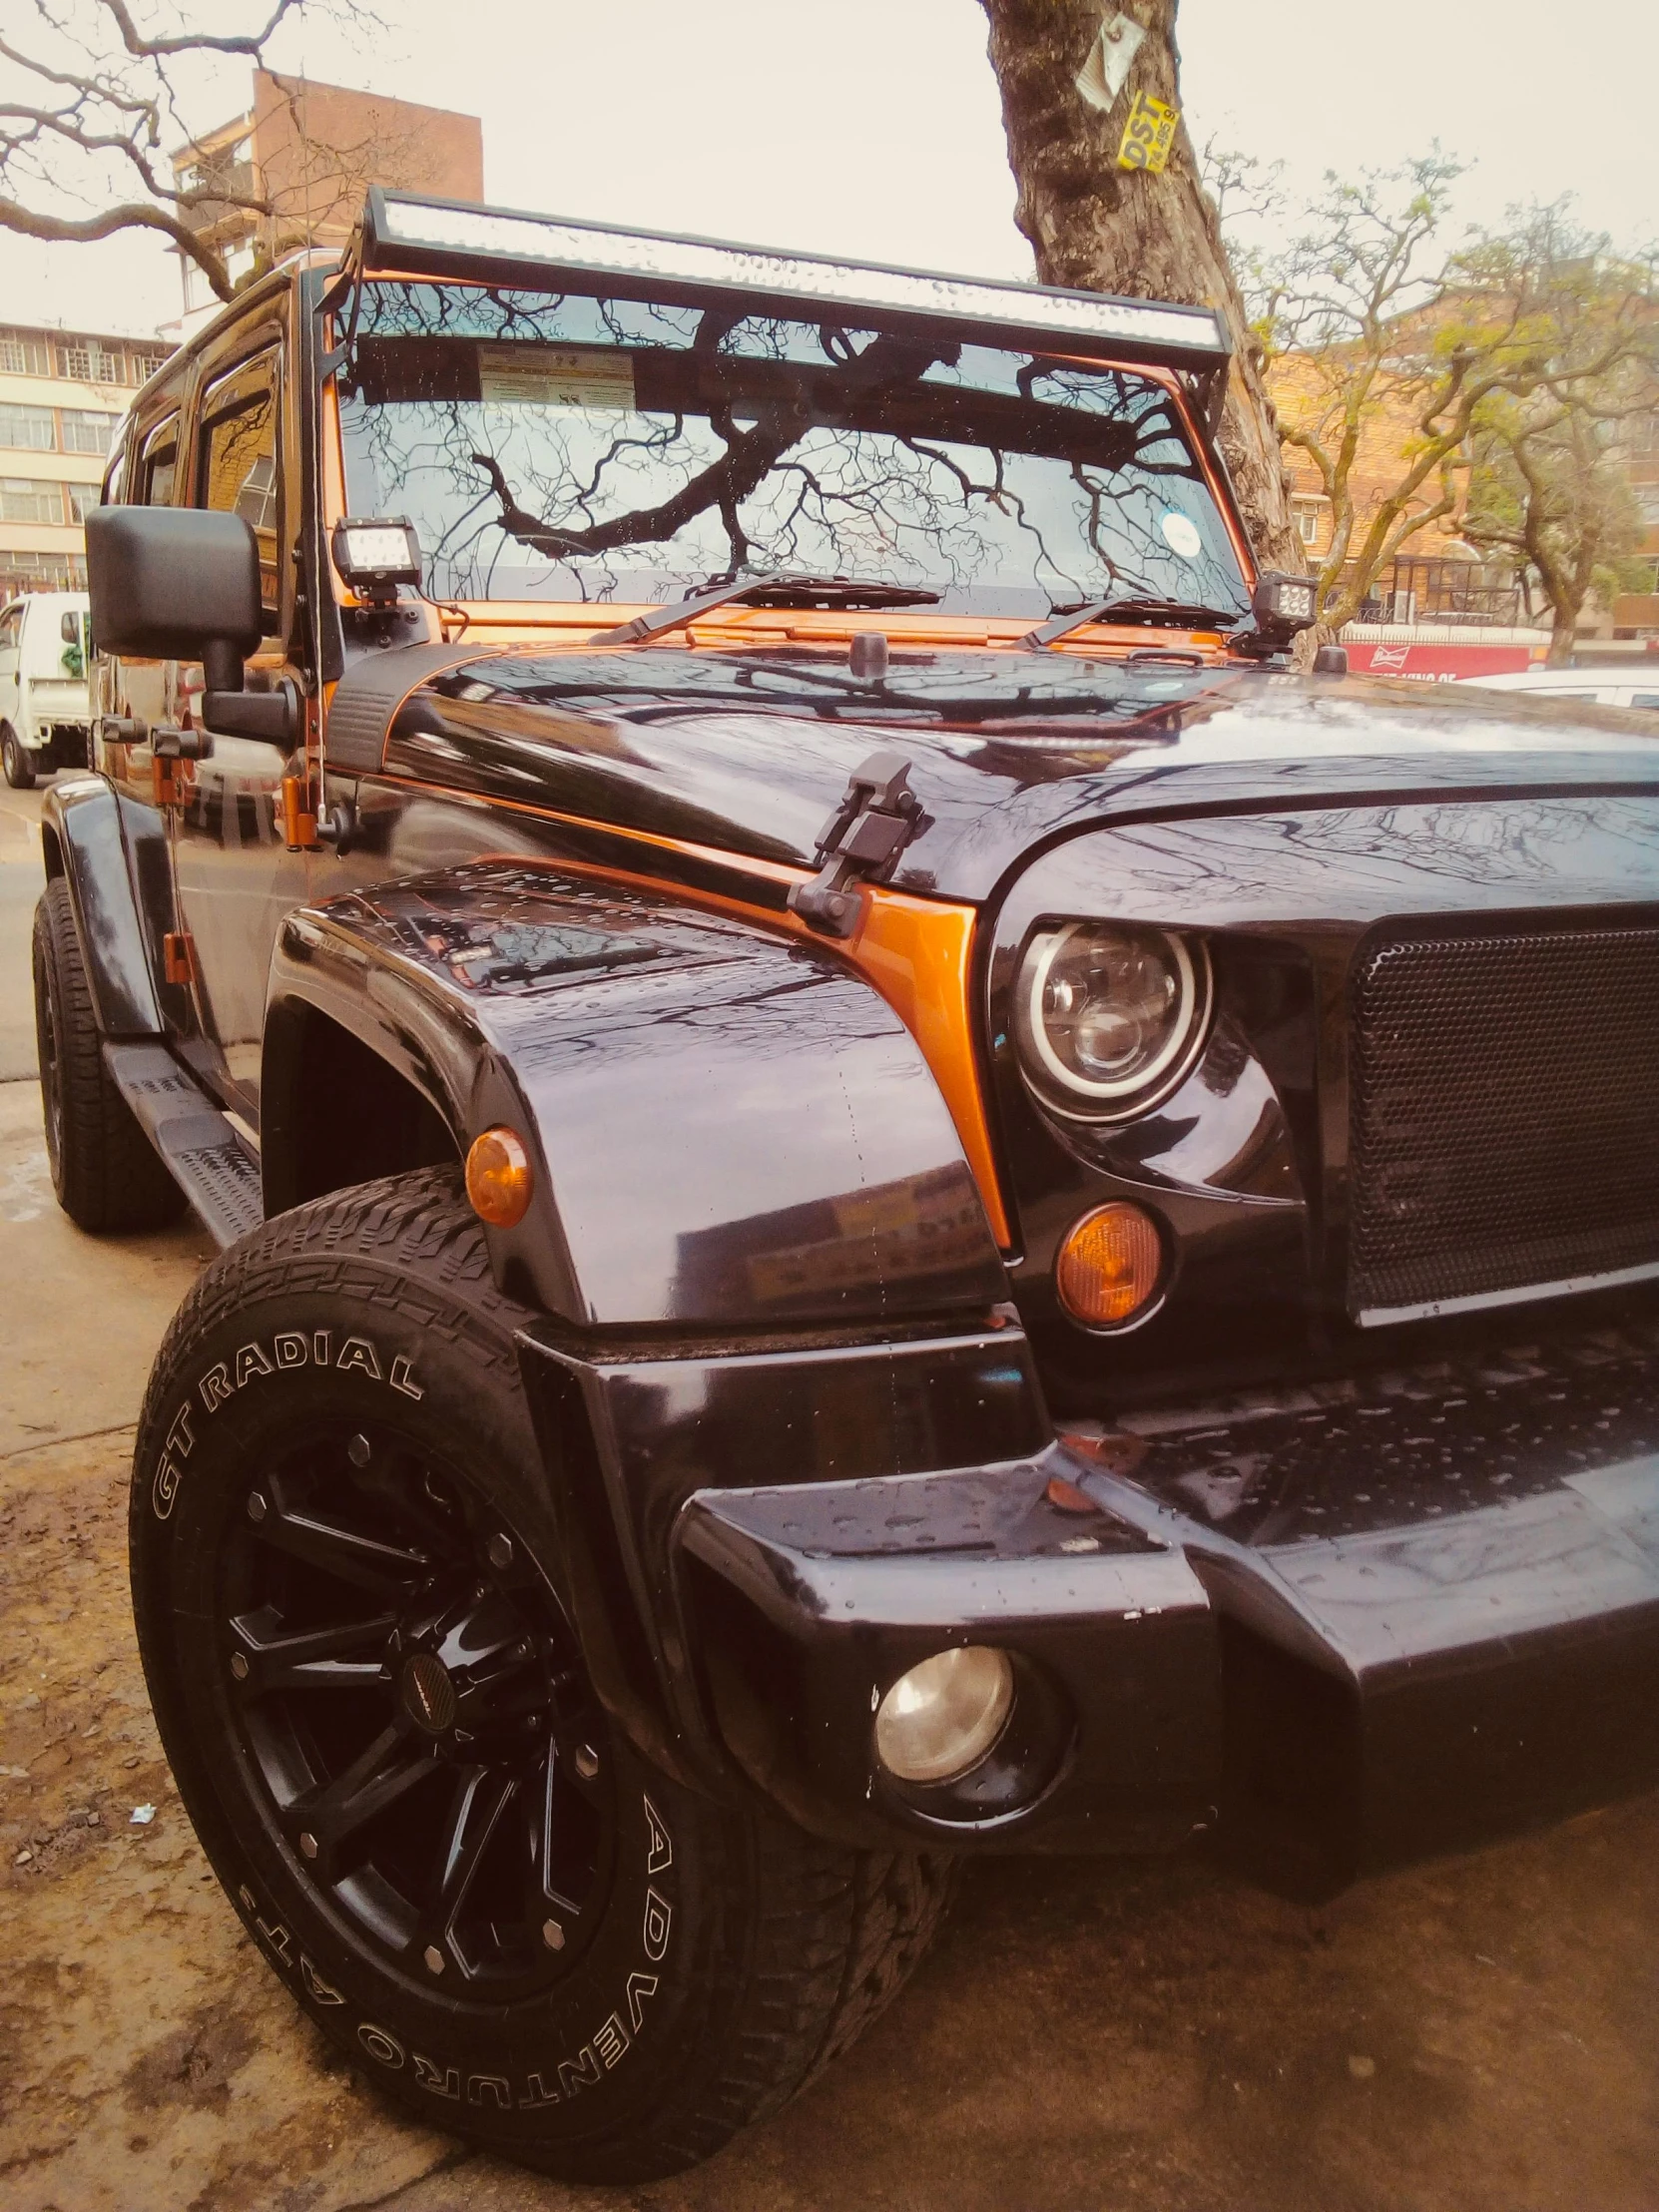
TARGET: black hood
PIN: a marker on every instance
(749, 751)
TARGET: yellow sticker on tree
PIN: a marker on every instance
(1149, 133)
(556, 375)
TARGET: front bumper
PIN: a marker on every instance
(1342, 1625)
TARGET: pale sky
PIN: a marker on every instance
(872, 126)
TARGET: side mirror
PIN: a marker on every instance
(176, 584)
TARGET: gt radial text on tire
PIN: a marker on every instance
(346, 1584)
(104, 1171)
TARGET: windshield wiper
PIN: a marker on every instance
(764, 591)
(1173, 611)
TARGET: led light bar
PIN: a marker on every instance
(404, 231)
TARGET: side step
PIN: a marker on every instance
(199, 1145)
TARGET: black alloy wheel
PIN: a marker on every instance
(416, 1708)
(359, 1630)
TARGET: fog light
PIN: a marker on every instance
(498, 1178)
(1109, 1264)
(942, 1717)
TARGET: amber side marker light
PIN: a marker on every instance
(1109, 1264)
(498, 1178)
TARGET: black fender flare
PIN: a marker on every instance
(730, 1131)
(738, 1148)
(89, 839)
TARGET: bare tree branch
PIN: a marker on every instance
(86, 99)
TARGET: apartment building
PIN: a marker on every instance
(60, 395)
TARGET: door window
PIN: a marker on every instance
(157, 469)
(241, 464)
(1647, 699)
(11, 629)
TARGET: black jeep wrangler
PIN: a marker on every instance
(885, 1193)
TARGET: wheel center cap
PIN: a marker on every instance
(429, 1693)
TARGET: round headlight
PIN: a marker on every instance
(1109, 1017)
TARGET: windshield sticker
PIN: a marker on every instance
(1181, 535)
(556, 375)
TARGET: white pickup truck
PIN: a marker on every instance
(45, 722)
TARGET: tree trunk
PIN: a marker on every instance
(1097, 228)
(1562, 630)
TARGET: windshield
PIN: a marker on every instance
(578, 448)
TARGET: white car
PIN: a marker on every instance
(1601, 687)
(45, 721)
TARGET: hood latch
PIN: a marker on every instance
(861, 843)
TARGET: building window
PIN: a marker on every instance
(43, 571)
(86, 432)
(25, 429)
(82, 498)
(1308, 524)
(106, 367)
(25, 499)
(145, 365)
(74, 361)
(23, 357)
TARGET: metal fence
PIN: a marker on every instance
(1474, 592)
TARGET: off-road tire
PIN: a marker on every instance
(729, 1958)
(104, 1168)
(14, 759)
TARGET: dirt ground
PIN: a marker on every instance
(1474, 2036)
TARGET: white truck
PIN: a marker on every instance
(45, 720)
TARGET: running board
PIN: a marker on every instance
(198, 1144)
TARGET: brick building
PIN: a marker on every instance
(309, 149)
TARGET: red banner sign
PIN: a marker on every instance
(1439, 664)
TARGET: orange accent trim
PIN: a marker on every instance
(918, 952)
(179, 956)
(919, 955)
(170, 779)
(299, 822)
(775, 872)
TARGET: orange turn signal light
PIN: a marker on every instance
(498, 1178)
(1109, 1264)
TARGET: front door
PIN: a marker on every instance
(235, 876)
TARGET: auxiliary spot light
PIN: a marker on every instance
(375, 557)
(942, 1717)
(1283, 604)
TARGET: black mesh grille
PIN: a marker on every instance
(1504, 1113)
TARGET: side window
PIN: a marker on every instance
(115, 477)
(1647, 699)
(158, 466)
(239, 467)
(11, 629)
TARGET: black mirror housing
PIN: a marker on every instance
(173, 583)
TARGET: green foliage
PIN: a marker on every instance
(1416, 372)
